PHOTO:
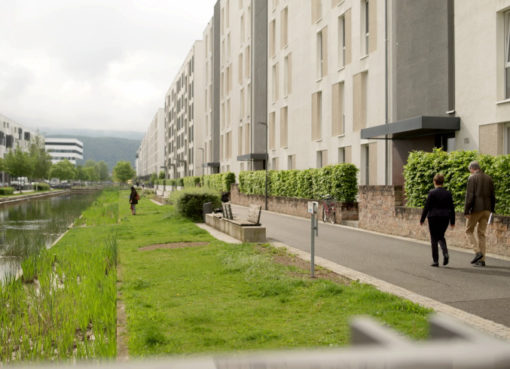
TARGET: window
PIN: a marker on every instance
(274, 163)
(240, 140)
(242, 29)
(240, 69)
(322, 158)
(241, 98)
(341, 155)
(247, 62)
(276, 86)
(507, 55)
(506, 140)
(272, 38)
(316, 115)
(284, 127)
(316, 10)
(322, 53)
(272, 130)
(291, 162)
(365, 22)
(287, 75)
(284, 25)
(337, 104)
(341, 42)
(360, 100)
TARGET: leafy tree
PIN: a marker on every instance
(2, 166)
(102, 170)
(91, 170)
(123, 171)
(41, 161)
(18, 164)
(63, 170)
(80, 173)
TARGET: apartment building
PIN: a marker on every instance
(13, 135)
(482, 75)
(184, 112)
(60, 149)
(150, 156)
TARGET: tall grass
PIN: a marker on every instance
(64, 306)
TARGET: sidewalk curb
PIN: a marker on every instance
(485, 325)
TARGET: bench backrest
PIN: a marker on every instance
(254, 214)
(227, 211)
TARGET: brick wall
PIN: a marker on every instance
(381, 210)
(290, 206)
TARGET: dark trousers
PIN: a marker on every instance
(437, 228)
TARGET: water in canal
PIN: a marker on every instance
(27, 226)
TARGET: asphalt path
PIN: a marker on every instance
(483, 291)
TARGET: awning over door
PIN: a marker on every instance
(413, 127)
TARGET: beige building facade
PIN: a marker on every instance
(150, 155)
(14, 135)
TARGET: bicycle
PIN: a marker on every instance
(328, 209)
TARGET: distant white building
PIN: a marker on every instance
(64, 149)
(150, 156)
(13, 135)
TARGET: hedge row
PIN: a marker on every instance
(41, 186)
(220, 182)
(339, 181)
(189, 202)
(422, 166)
(6, 190)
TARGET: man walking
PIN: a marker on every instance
(480, 202)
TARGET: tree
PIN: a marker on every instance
(63, 170)
(17, 163)
(102, 170)
(161, 175)
(123, 171)
(41, 161)
(91, 170)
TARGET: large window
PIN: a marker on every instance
(365, 22)
(341, 41)
(287, 75)
(322, 53)
(507, 55)
(316, 115)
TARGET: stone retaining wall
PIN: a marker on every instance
(381, 210)
(290, 206)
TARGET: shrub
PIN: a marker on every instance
(220, 182)
(180, 182)
(191, 181)
(6, 190)
(422, 166)
(340, 181)
(41, 186)
(189, 202)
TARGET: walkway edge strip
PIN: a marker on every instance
(488, 326)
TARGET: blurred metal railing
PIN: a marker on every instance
(450, 345)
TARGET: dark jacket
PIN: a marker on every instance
(439, 204)
(133, 198)
(479, 193)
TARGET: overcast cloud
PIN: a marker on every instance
(93, 64)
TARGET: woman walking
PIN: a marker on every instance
(133, 200)
(439, 211)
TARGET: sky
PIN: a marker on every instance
(93, 64)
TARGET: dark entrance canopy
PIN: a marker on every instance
(413, 128)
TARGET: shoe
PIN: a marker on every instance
(434, 265)
(446, 259)
(477, 257)
(480, 263)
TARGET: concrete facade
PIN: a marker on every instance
(482, 85)
(64, 149)
(150, 155)
(13, 135)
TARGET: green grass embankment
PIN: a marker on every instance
(222, 297)
(64, 306)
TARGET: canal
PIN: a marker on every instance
(28, 226)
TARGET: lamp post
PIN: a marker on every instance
(266, 159)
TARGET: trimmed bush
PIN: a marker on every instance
(422, 166)
(191, 181)
(41, 186)
(339, 181)
(219, 182)
(6, 190)
(189, 202)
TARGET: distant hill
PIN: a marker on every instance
(109, 149)
(73, 132)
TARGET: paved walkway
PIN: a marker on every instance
(484, 292)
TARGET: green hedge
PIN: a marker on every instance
(191, 181)
(339, 181)
(6, 190)
(41, 186)
(220, 182)
(422, 166)
(189, 202)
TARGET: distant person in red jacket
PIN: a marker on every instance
(480, 203)
(133, 200)
(439, 211)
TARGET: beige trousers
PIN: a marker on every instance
(481, 218)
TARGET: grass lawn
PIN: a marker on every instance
(222, 297)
